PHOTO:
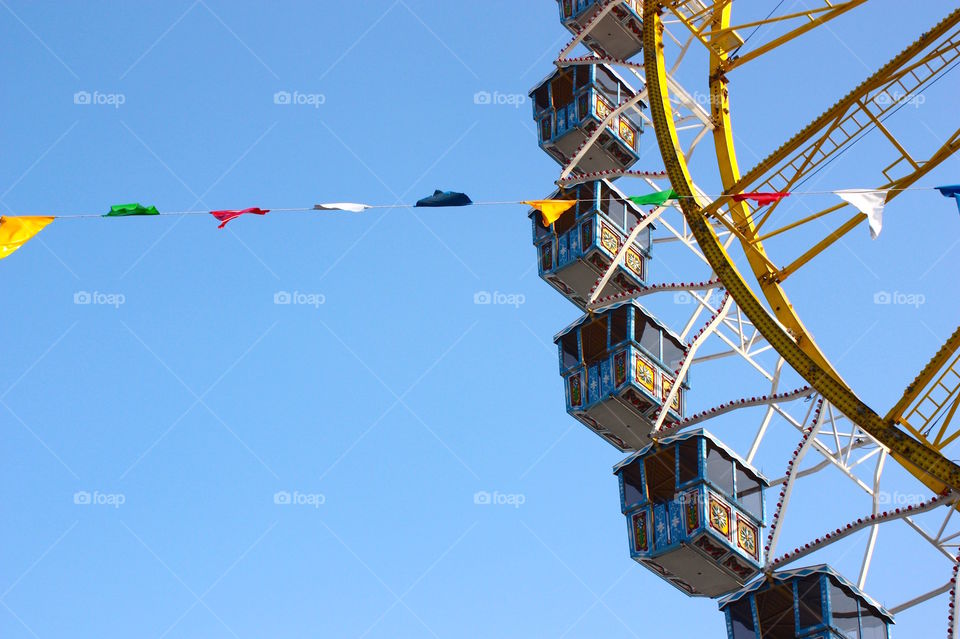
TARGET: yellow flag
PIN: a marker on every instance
(17, 231)
(551, 209)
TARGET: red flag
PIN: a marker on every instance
(762, 199)
(226, 216)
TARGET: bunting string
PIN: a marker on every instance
(342, 206)
(15, 231)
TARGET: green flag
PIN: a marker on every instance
(119, 210)
(657, 199)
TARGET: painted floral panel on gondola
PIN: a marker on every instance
(628, 134)
(606, 376)
(616, 441)
(561, 120)
(661, 537)
(667, 385)
(563, 250)
(591, 422)
(603, 109)
(620, 368)
(609, 239)
(704, 543)
(634, 262)
(719, 516)
(576, 395)
(739, 569)
(675, 510)
(691, 503)
(574, 243)
(645, 374)
(593, 383)
(586, 235)
(747, 536)
(546, 256)
(641, 540)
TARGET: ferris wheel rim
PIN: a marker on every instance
(799, 350)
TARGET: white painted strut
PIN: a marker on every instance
(607, 121)
(858, 525)
(809, 437)
(604, 302)
(738, 404)
(872, 542)
(583, 33)
(622, 253)
(681, 374)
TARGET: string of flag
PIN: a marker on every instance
(15, 231)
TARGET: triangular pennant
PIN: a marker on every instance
(551, 209)
(341, 206)
(870, 203)
(762, 199)
(226, 216)
(122, 210)
(17, 231)
(655, 199)
(445, 198)
(951, 190)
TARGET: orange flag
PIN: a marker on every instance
(17, 231)
(551, 209)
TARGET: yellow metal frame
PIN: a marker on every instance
(787, 335)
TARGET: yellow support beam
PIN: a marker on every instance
(888, 77)
(926, 375)
(834, 12)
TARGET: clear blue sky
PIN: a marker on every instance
(198, 399)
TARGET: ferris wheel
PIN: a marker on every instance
(695, 294)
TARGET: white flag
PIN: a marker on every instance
(341, 206)
(870, 203)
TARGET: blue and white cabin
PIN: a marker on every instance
(618, 367)
(814, 603)
(694, 513)
(619, 34)
(577, 249)
(570, 104)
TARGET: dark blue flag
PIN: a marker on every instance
(445, 198)
(952, 190)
